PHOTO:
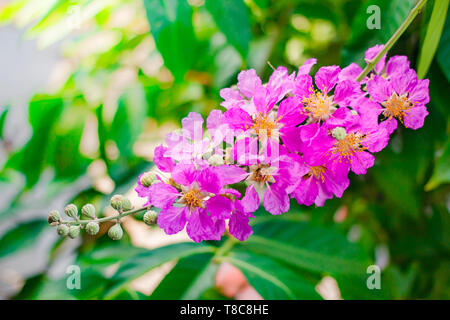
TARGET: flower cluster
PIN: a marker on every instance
(296, 136)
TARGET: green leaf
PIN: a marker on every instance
(232, 19)
(271, 279)
(443, 51)
(441, 173)
(144, 262)
(43, 114)
(307, 247)
(189, 278)
(171, 27)
(431, 41)
(22, 237)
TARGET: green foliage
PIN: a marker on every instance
(431, 41)
(167, 58)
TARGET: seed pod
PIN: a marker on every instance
(88, 210)
(150, 217)
(117, 202)
(126, 204)
(53, 217)
(92, 228)
(115, 232)
(63, 230)
(148, 178)
(216, 160)
(338, 133)
(74, 231)
(71, 211)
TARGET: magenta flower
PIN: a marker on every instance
(403, 98)
(194, 197)
(320, 105)
(273, 174)
(321, 182)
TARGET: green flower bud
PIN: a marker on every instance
(148, 178)
(338, 133)
(74, 231)
(115, 232)
(53, 216)
(126, 204)
(71, 211)
(216, 160)
(63, 230)
(150, 217)
(88, 210)
(117, 202)
(92, 228)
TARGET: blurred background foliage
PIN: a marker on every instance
(130, 70)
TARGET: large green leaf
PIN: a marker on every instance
(43, 114)
(232, 19)
(392, 14)
(431, 41)
(21, 237)
(271, 279)
(188, 279)
(441, 173)
(307, 247)
(171, 26)
(443, 52)
(144, 262)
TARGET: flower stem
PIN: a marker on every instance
(121, 215)
(372, 63)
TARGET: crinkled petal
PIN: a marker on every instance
(250, 202)
(163, 163)
(248, 82)
(193, 126)
(162, 195)
(326, 78)
(415, 117)
(306, 67)
(276, 200)
(209, 180)
(361, 161)
(173, 219)
(219, 207)
(239, 227)
(379, 89)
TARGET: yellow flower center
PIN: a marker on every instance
(263, 125)
(193, 198)
(317, 172)
(397, 106)
(261, 173)
(318, 105)
(349, 145)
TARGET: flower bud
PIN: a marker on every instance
(216, 160)
(150, 217)
(74, 231)
(126, 204)
(117, 202)
(338, 133)
(88, 210)
(63, 230)
(53, 216)
(92, 228)
(148, 178)
(115, 232)
(71, 211)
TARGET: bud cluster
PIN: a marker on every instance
(91, 223)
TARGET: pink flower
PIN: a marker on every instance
(319, 105)
(321, 182)
(189, 143)
(194, 197)
(403, 98)
(273, 174)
